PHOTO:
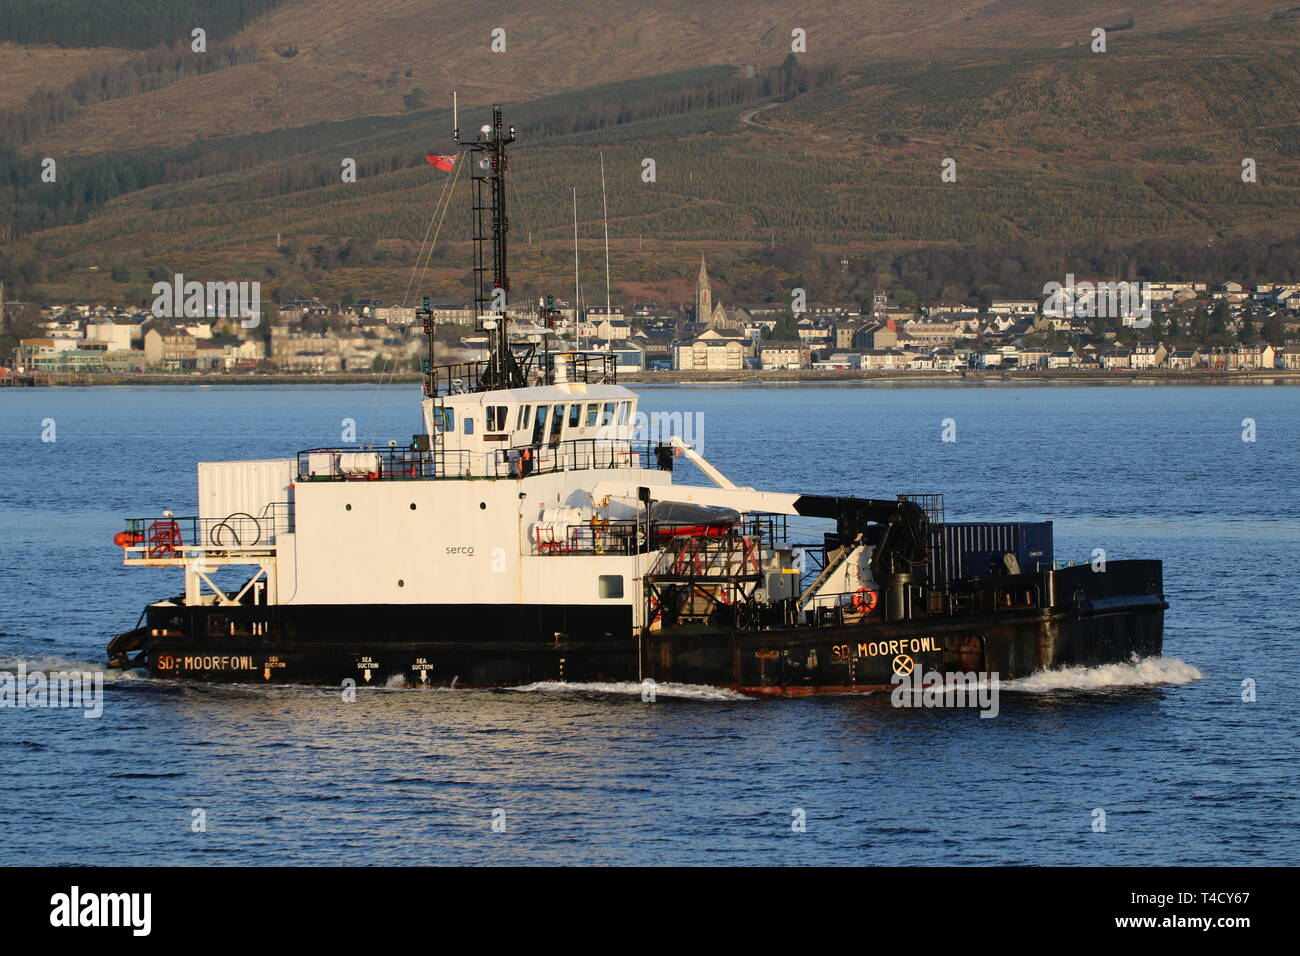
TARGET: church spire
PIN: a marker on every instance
(703, 295)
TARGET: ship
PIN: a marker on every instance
(531, 532)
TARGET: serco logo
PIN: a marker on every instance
(903, 664)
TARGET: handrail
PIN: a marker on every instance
(389, 463)
(168, 536)
(549, 368)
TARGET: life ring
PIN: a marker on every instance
(864, 600)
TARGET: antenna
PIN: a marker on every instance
(455, 118)
(605, 208)
(577, 320)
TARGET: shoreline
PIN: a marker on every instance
(1038, 377)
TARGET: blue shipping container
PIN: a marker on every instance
(976, 549)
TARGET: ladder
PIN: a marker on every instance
(833, 560)
(435, 439)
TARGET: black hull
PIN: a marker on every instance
(485, 646)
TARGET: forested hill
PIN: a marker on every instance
(1132, 156)
(129, 24)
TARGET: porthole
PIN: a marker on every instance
(401, 583)
(412, 505)
(482, 506)
(347, 507)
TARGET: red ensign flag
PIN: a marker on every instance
(442, 162)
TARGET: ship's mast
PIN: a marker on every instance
(487, 155)
(503, 368)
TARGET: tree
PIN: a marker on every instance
(1274, 331)
(1218, 334)
(785, 330)
(1248, 335)
(20, 323)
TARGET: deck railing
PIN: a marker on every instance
(461, 378)
(632, 536)
(389, 463)
(169, 536)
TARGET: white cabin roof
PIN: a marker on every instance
(540, 394)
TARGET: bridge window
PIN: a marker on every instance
(592, 411)
(468, 425)
(525, 414)
(608, 417)
(624, 408)
(539, 424)
(610, 585)
(575, 415)
(444, 419)
(557, 422)
(496, 418)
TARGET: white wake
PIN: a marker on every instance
(632, 688)
(1147, 672)
(49, 665)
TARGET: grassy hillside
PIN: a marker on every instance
(330, 60)
(1054, 145)
(32, 69)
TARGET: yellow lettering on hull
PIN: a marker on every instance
(216, 662)
(907, 645)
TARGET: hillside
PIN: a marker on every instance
(345, 65)
(1054, 144)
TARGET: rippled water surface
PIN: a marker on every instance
(1183, 769)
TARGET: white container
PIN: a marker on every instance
(358, 462)
(248, 487)
(322, 463)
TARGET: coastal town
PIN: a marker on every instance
(1097, 325)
